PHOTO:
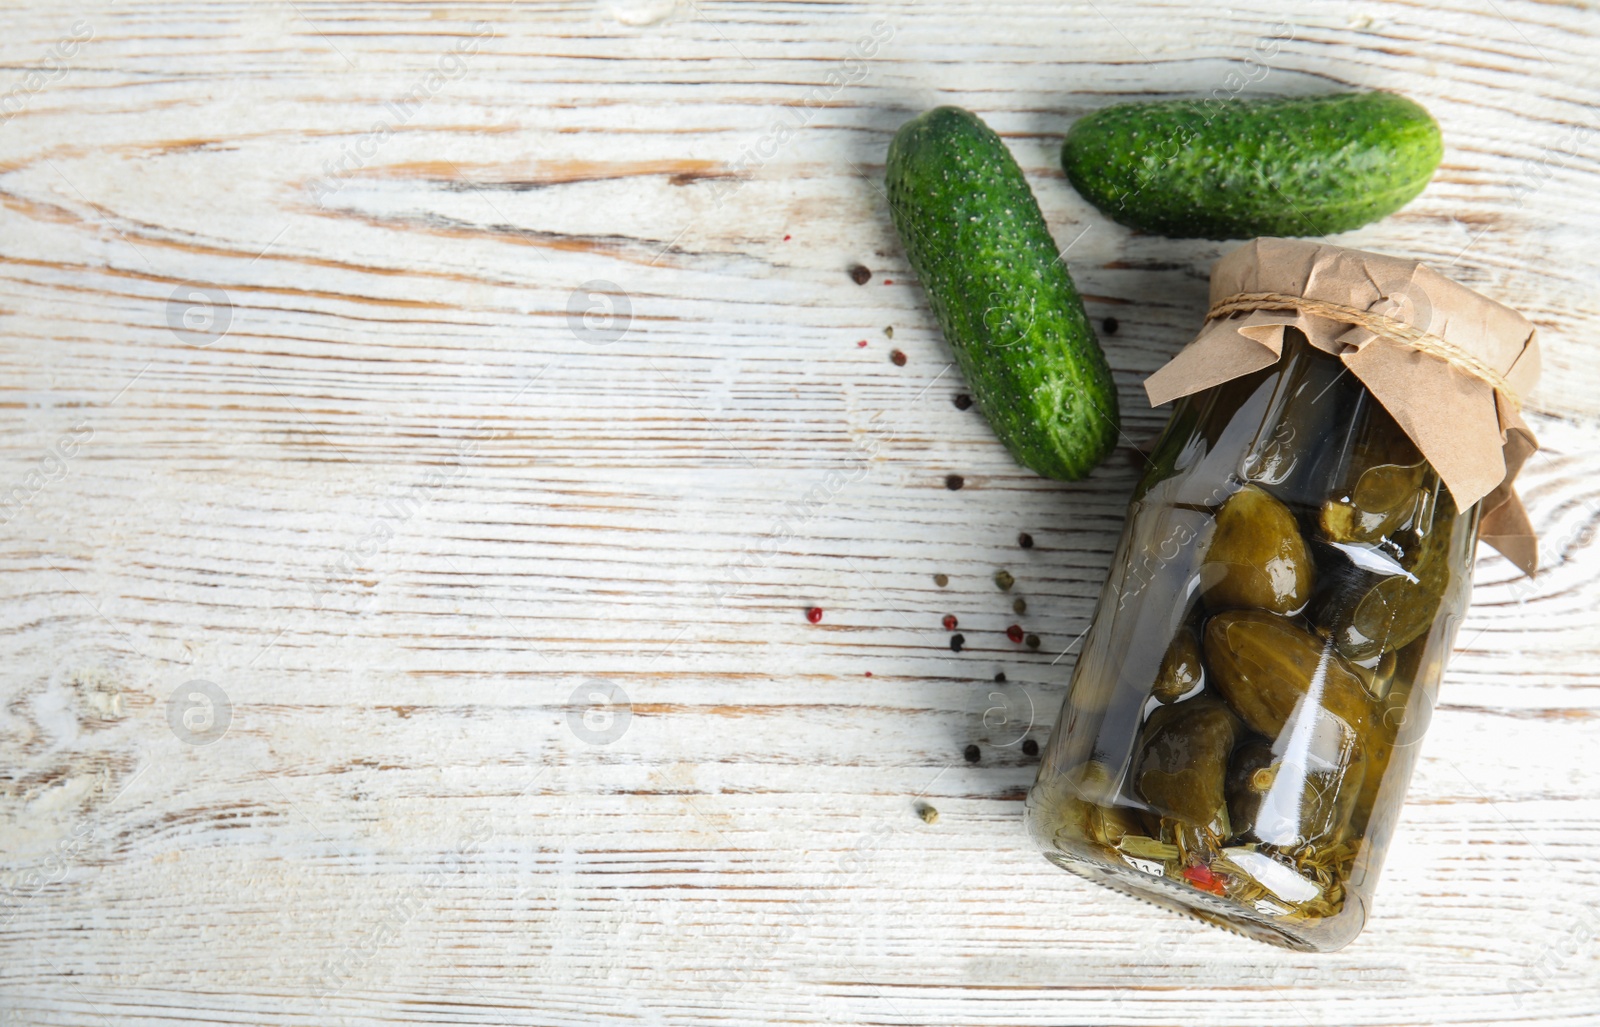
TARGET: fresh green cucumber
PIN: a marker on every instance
(1236, 169)
(996, 282)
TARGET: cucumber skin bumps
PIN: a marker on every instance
(1237, 169)
(995, 280)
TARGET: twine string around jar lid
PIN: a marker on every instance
(1380, 325)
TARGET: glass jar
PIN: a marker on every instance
(1245, 712)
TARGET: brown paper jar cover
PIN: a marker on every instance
(1449, 364)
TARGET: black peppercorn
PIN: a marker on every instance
(1030, 747)
(970, 754)
(957, 641)
(954, 481)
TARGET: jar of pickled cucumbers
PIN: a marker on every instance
(1248, 702)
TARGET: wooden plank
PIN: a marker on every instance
(410, 509)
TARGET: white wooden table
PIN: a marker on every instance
(327, 520)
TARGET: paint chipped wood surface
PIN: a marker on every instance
(425, 498)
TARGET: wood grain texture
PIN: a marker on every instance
(409, 512)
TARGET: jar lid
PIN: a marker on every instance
(1450, 364)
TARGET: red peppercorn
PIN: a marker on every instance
(1014, 632)
(814, 615)
(949, 622)
(897, 358)
(1202, 877)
